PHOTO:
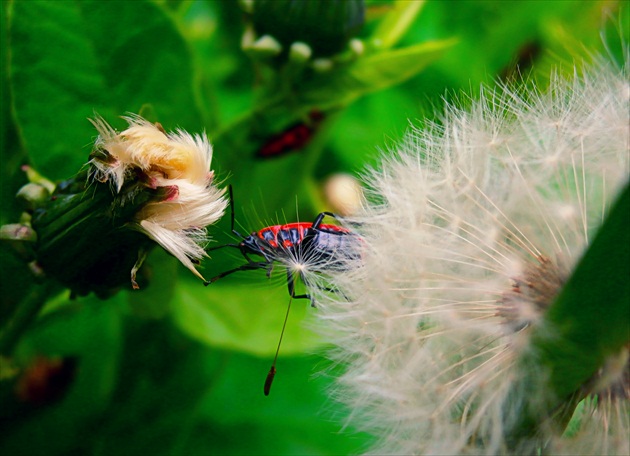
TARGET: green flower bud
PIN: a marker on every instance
(322, 65)
(84, 237)
(325, 25)
(20, 237)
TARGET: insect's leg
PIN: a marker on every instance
(231, 193)
(291, 286)
(263, 252)
(320, 218)
(335, 291)
(245, 267)
(246, 256)
(221, 246)
(268, 260)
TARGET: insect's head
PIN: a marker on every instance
(252, 244)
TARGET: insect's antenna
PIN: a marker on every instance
(272, 370)
(231, 192)
(232, 221)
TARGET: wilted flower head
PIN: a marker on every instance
(178, 163)
(470, 231)
(142, 186)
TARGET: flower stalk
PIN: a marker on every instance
(24, 315)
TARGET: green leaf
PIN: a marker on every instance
(11, 176)
(374, 72)
(296, 418)
(247, 318)
(587, 323)
(591, 317)
(179, 397)
(395, 24)
(86, 56)
(386, 69)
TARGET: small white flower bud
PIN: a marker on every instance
(265, 46)
(300, 52)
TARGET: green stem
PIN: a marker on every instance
(24, 315)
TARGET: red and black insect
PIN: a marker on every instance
(295, 137)
(317, 247)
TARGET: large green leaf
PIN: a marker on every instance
(247, 317)
(296, 418)
(85, 56)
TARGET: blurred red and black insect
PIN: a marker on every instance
(294, 138)
(312, 247)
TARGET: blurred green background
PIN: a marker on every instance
(178, 368)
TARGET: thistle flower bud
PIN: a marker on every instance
(469, 234)
(142, 186)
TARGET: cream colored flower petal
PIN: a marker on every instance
(178, 243)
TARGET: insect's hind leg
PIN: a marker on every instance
(291, 287)
(246, 267)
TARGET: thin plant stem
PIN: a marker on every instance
(24, 314)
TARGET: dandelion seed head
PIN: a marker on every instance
(469, 230)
